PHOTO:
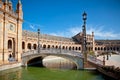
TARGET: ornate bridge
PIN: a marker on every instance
(74, 56)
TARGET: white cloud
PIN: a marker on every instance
(32, 26)
(99, 32)
(75, 30)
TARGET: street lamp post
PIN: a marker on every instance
(104, 59)
(84, 36)
(38, 41)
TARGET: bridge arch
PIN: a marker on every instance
(76, 60)
(42, 62)
(35, 60)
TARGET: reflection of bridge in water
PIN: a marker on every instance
(74, 56)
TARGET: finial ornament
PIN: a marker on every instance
(19, 1)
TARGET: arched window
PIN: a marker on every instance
(114, 48)
(117, 49)
(29, 46)
(104, 48)
(35, 46)
(72, 48)
(9, 44)
(79, 48)
(23, 45)
(56, 47)
(111, 48)
(63, 47)
(52, 46)
(44, 46)
(95, 48)
(98, 48)
(101, 48)
(76, 48)
(69, 48)
(48, 46)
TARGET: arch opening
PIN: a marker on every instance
(37, 62)
(29, 46)
(53, 61)
(44, 46)
(23, 45)
(35, 46)
(58, 62)
(9, 44)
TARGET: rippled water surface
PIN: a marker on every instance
(37, 73)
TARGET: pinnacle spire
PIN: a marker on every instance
(6, 1)
(9, 1)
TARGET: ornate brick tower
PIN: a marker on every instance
(10, 31)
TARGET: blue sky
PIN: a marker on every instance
(64, 17)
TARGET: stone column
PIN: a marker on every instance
(19, 39)
(5, 38)
(1, 39)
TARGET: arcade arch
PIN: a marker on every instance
(29, 46)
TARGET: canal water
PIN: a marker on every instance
(37, 73)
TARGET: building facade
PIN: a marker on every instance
(15, 41)
(10, 30)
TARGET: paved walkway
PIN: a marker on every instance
(113, 60)
(10, 65)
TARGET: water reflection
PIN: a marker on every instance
(37, 73)
(11, 74)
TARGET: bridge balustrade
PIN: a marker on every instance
(94, 60)
(58, 51)
(52, 51)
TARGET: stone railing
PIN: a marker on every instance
(52, 51)
(94, 60)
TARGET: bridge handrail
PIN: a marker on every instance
(55, 51)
